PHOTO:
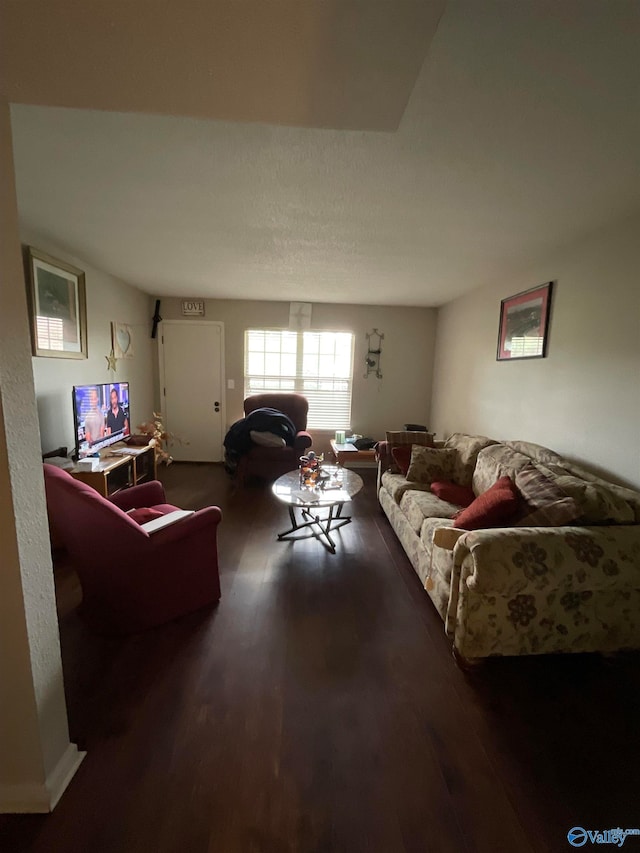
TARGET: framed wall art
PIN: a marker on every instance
(57, 306)
(524, 324)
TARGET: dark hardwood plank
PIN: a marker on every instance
(318, 708)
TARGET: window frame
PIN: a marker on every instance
(299, 378)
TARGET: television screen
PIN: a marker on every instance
(101, 414)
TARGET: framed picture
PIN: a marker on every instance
(524, 324)
(57, 306)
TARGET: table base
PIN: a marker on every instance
(319, 528)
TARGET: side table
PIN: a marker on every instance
(348, 454)
(116, 472)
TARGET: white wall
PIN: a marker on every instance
(36, 758)
(583, 400)
(108, 299)
(402, 395)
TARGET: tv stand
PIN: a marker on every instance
(117, 472)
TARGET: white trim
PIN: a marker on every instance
(33, 798)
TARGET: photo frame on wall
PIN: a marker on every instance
(524, 324)
(57, 306)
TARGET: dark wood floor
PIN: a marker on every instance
(318, 708)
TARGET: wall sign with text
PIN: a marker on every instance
(193, 307)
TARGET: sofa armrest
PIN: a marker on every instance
(505, 561)
(211, 516)
(146, 494)
(446, 537)
(303, 440)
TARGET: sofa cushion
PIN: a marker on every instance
(144, 513)
(418, 505)
(536, 452)
(429, 464)
(466, 448)
(493, 508)
(545, 504)
(400, 438)
(453, 493)
(554, 514)
(629, 496)
(596, 503)
(396, 485)
(402, 457)
(397, 438)
(494, 462)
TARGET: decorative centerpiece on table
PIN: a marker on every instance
(310, 471)
(158, 437)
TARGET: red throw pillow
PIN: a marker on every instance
(453, 493)
(144, 514)
(402, 457)
(493, 508)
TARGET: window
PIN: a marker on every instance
(50, 333)
(316, 364)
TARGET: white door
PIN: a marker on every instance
(191, 382)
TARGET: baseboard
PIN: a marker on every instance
(40, 799)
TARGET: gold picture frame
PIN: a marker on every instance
(57, 306)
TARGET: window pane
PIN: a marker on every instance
(325, 361)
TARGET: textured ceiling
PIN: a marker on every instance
(522, 132)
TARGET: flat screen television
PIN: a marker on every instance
(101, 416)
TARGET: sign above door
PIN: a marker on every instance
(193, 307)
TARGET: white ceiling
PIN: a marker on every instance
(521, 133)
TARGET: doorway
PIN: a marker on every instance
(191, 354)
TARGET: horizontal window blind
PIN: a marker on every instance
(318, 365)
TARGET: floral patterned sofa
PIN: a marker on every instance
(562, 576)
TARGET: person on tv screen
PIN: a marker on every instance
(116, 417)
(94, 428)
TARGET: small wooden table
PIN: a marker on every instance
(348, 454)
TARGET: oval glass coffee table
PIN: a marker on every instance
(342, 485)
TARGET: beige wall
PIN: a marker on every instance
(402, 394)
(108, 299)
(583, 400)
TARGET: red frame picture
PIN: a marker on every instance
(524, 324)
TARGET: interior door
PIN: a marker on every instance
(191, 376)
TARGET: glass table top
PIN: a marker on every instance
(340, 486)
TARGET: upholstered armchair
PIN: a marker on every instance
(269, 463)
(132, 579)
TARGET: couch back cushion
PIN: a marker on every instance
(430, 463)
(629, 496)
(536, 452)
(495, 461)
(466, 449)
(544, 504)
(597, 504)
(401, 437)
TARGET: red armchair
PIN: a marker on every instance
(269, 463)
(132, 580)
